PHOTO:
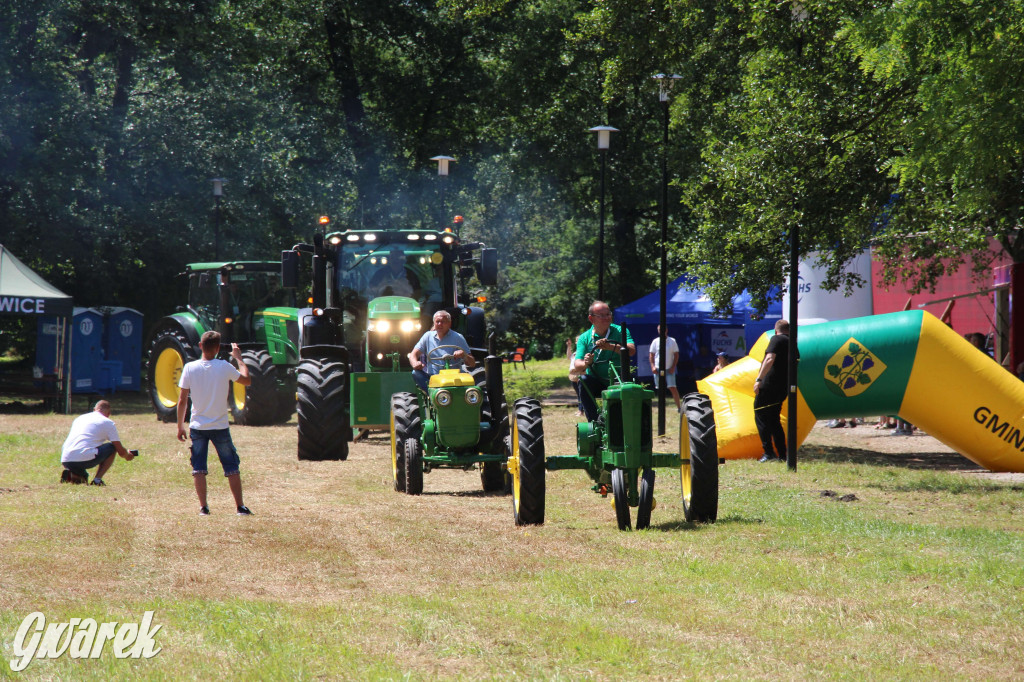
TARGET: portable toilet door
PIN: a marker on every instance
(122, 342)
(86, 349)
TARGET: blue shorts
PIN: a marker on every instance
(221, 439)
(102, 453)
(671, 383)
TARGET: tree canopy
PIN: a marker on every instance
(891, 123)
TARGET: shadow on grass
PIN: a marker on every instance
(729, 519)
(124, 402)
(465, 493)
(935, 461)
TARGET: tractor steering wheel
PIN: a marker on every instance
(442, 358)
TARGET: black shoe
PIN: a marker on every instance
(97, 481)
(768, 458)
(204, 511)
(244, 511)
(65, 476)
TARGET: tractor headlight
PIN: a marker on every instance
(382, 326)
(407, 326)
(443, 398)
(473, 396)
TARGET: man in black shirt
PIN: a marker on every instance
(770, 389)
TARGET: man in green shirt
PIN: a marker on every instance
(596, 350)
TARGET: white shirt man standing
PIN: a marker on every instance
(671, 361)
(207, 381)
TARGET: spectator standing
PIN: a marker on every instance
(207, 382)
(574, 375)
(671, 360)
(770, 389)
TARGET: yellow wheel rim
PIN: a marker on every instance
(513, 467)
(394, 449)
(167, 374)
(685, 480)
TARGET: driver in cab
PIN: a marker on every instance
(439, 341)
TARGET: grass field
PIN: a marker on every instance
(337, 576)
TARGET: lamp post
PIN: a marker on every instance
(800, 15)
(604, 134)
(218, 192)
(665, 83)
(442, 171)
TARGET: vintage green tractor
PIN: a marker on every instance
(245, 302)
(616, 452)
(462, 422)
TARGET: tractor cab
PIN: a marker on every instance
(234, 298)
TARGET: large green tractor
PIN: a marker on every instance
(616, 451)
(462, 422)
(374, 293)
(245, 302)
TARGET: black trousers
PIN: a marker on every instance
(767, 413)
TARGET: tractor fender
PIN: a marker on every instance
(185, 324)
(475, 327)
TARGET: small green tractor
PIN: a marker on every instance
(374, 293)
(462, 422)
(245, 302)
(616, 452)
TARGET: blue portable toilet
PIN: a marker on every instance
(122, 342)
(86, 347)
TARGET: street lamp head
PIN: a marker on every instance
(218, 186)
(665, 83)
(604, 135)
(798, 11)
(442, 163)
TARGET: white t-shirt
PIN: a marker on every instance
(670, 347)
(88, 432)
(208, 382)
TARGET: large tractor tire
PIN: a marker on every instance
(168, 354)
(698, 442)
(526, 463)
(406, 424)
(322, 391)
(494, 439)
(257, 404)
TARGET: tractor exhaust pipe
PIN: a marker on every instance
(495, 382)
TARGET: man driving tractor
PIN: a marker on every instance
(427, 356)
(596, 350)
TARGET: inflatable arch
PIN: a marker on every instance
(908, 363)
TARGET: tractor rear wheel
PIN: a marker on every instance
(526, 463)
(257, 404)
(405, 424)
(620, 499)
(646, 505)
(698, 442)
(168, 354)
(413, 467)
(492, 477)
(322, 393)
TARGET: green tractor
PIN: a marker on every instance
(616, 451)
(462, 422)
(245, 302)
(374, 293)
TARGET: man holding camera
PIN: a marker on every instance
(92, 442)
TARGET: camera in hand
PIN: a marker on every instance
(133, 453)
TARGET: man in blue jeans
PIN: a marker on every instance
(207, 381)
(93, 440)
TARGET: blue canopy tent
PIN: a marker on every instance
(692, 322)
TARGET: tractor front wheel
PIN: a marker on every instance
(526, 463)
(413, 467)
(620, 499)
(257, 404)
(698, 443)
(492, 477)
(168, 354)
(646, 505)
(322, 392)
(405, 424)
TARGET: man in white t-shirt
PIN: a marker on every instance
(671, 360)
(93, 440)
(207, 381)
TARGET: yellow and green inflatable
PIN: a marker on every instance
(908, 363)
